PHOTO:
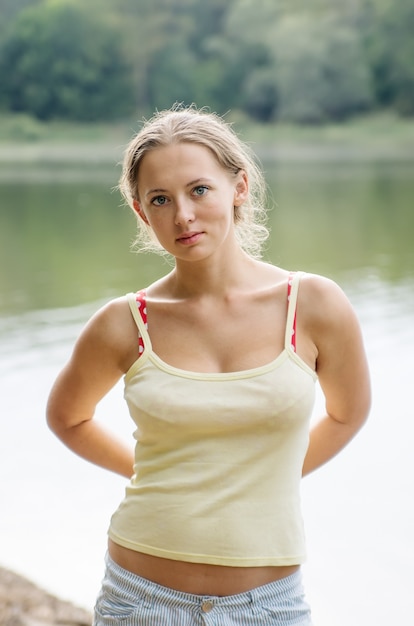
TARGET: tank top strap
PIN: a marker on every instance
(137, 304)
(292, 297)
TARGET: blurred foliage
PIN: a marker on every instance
(64, 59)
(295, 61)
(390, 50)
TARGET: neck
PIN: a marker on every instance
(210, 277)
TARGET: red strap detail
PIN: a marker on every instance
(142, 308)
(293, 338)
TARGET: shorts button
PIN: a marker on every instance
(207, 606)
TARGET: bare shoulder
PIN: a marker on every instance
(111, 318)
(332, 324)
(111, 333)
(317, 285)
(323, 301)
(327, 316)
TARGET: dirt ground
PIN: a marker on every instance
(24, 604)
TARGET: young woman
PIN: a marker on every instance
(220, 359)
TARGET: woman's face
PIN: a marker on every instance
(188, 199)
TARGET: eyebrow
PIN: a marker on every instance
(190, 184)
(151, 191)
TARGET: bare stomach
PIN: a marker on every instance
(196, 578)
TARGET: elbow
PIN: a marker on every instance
(54, 420)
(365, 408)
(57, 418)
(51, 417)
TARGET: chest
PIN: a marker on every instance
(166, 401)
(229, 337)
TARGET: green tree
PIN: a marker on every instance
(173, 45)
(171, 77)
(9, 9)
(291, 59)
(66, 64)
(241, 53)
(181, 61)
(312, 67)
(390, 48)
(321, 72)
(261, 97)
(153, 32)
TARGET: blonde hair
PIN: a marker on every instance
(191, 125)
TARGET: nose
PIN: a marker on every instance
(184, 211)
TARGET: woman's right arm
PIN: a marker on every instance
(101, 355)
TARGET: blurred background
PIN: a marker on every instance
(324, 93)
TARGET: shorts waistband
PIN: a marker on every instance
(130, 586)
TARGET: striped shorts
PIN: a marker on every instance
(129, 600)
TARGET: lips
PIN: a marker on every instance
(189, 238)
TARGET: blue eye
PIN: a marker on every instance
(159, 201)
(200, 190)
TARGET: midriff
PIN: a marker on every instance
(196, 578)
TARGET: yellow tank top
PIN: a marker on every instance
(218, 459)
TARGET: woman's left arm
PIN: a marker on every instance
(342, 369)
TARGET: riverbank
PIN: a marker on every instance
(22, 603)
(382, 137)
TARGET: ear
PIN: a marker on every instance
(139, 211)
(242, 189)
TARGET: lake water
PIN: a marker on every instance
(64, 250)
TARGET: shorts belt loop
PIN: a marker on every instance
(254, 604)
(148, 596)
